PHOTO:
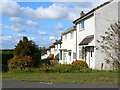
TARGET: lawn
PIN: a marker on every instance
(101, 77)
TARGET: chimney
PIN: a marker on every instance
(82, 13)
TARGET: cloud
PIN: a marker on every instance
(8, 41)
(41, 33)
(18, 25)
(18, 28)
(10, 8)
(31, 23)
(52, 37)
(6, 27)
(59, 26)
(54, 11)
(15, 19)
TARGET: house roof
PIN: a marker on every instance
(73, 28)
(51, 56)
(91, 12)
(52, 46)
(58, 42)
(86, 40)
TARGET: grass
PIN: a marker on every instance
(101, 77)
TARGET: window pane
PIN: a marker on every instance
(81, 25)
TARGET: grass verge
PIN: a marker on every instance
(101, 77)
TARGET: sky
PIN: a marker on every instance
(42, 22)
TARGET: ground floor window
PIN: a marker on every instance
(83, 52)
(74, 55)
(69, 55)
(60, 55)
(64, 56)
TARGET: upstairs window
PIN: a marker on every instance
(72, 35)
(65, 37)
(81, 25)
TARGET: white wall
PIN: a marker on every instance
(69, 44)
(81, 34)
(104, 17)
(88, 30)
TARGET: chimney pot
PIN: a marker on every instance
(82, 13)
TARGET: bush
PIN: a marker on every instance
(20, 62)
(79, 64)
(53, 62)
(45, 61)
(63, 68)
(27, 47)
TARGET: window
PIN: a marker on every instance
(65, 37)
(60, 55)
(74, 55)
(60, 45)
(72, 34)
(81, 25)
(91, 53)
(69, 53)
(64, 56)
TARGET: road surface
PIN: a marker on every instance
(24, 84)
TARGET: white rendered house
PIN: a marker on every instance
(68, 49)
(58, 44)
(89, 28)
(54, 50)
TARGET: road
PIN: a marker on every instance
(23, 84)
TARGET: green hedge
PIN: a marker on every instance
(6, 55)
(63, 68)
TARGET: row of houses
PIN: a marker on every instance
(79, 41)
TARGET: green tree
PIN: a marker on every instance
(28, 48)
(110, 44)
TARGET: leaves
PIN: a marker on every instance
(25, 50)
(109, 43)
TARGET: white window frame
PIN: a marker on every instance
(82, 25)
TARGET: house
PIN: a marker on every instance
(89, 28)
(57, 44)
(80, 41)
(68, 48)
(53, 51)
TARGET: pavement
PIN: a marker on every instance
(24, 84)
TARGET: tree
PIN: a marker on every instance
(43, 51)
(110, 44)
(28, 48)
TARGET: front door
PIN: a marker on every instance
(89, 55)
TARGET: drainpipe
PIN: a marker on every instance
(76, 41)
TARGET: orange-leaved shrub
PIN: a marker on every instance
(20, 62)
(79, 64)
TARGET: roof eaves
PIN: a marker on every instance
(91, 12)
(73, 28)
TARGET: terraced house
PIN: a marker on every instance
(68, 49)
(90, 27)
(79, 41)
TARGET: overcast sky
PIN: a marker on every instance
(42, 22)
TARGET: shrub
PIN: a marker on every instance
(79, 64)
(20, 62)
(62, 68)
(45, 61)
(28, 48)
(53, 62)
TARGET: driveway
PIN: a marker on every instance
(23, 84)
